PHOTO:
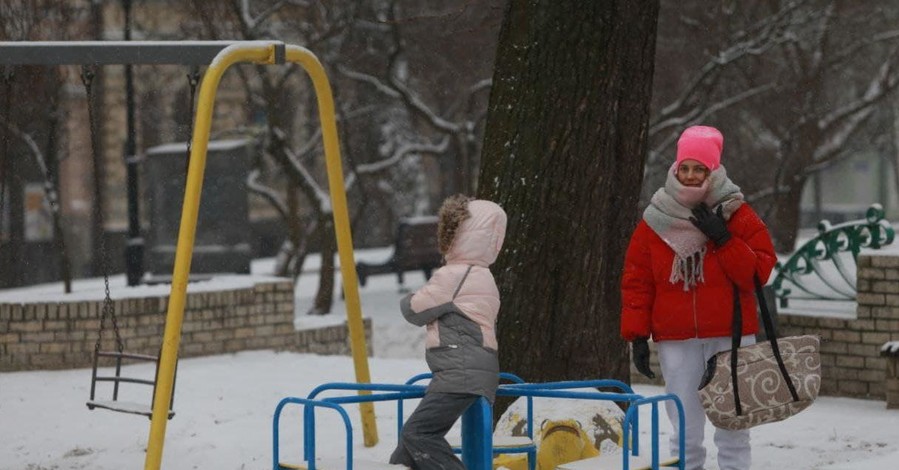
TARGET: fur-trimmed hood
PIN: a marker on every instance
(478, 238)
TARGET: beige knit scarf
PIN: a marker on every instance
(669, 212)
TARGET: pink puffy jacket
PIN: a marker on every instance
(459, 305)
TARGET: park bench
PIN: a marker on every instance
(415, 248)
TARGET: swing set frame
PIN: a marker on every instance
(218, 56)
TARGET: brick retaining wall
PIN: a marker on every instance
(851, 364)
(62, 335)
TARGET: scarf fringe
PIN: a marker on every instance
(688, 269)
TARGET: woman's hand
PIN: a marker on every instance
(640, 352)
(712, 224)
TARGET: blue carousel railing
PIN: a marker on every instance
(825, 267)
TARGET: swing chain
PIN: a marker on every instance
(193, 78)
(87, 77)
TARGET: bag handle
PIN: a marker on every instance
(767, 319)
(772, 336)
(737, 334)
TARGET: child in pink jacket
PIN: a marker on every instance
(458, 305)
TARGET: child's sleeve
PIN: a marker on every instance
(432, 301)
(425, 316)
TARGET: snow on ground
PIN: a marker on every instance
(224, 406)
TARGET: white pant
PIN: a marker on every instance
(683, 364)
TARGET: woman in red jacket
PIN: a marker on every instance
(697, 245)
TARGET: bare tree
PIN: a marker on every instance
(33, 130)
(564, 151)
(821, 116)
(792, 84)
(357, 38)
(453, 108)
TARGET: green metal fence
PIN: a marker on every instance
(824, 268)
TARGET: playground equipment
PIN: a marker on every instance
(219, 56)
(477, 423)
(119, 355)
(391, 392)
(561, 442)
(504, 445)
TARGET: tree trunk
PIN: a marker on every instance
(564, 152)
(787, 209)
(324, 298)
(787, 212)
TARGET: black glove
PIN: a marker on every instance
(641, 357)
(711, 224)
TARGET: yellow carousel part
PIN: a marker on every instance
(511, 462)
(562, 442)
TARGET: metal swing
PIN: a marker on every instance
(119, 357)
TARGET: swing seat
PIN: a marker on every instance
(117, 378)
(125, 407)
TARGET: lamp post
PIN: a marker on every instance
(134, 247)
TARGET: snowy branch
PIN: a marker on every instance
(695, 115)
(484, 84)
(402, 151)
(268, 193)
(311, 144)
(370, 79)
(398, 155)
(32, 145)
(317, 194)
(421, 109)
(49, 189)
(398, 90)
(762, 36)
(853, 49)
(252, 22)
(472, 92)
(883, 83)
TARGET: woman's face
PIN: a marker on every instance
(691, 173)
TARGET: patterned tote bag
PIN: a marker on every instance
(764, 382)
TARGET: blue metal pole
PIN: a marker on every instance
(477, 436)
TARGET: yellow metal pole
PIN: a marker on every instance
(258, 52)
(326, 115)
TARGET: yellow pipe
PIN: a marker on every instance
(308, 61)
(258, 52)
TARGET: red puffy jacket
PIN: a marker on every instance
(652, 305)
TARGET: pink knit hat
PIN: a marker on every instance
(701, 143)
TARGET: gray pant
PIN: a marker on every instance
(422, 445)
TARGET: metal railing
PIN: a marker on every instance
(825, 267)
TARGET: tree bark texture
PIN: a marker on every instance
(564, 152)
(787, 208)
